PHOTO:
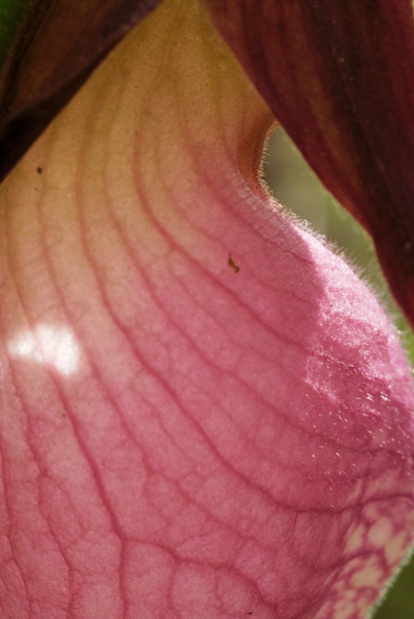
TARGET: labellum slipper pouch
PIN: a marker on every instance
(205, 413)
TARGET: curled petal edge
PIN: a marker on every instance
(339, 77)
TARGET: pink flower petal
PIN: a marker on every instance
(204, 412)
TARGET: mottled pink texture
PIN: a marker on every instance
(205, 413)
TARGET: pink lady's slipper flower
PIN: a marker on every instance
(204, 413)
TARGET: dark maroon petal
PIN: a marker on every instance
(339, 76)
(58, 44)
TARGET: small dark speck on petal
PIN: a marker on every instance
(233, 265)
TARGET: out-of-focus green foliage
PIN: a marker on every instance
(11, 12)
(299, 190)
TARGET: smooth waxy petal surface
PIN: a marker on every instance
(339, 76)
(205, 412)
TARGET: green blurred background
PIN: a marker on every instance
(296, 187)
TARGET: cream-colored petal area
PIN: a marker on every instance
(204, 413)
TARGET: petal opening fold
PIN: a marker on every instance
(339, 76)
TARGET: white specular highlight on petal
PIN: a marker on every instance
(50, 345)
